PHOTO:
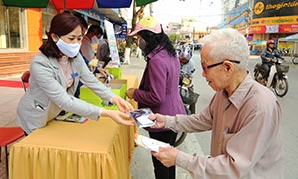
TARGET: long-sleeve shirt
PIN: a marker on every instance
(103, 51)
(246, 137)
(86, 48)
(158, 89)
(188, 69)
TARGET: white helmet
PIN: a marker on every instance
(185, 53)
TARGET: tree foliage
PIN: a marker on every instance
(174, 38)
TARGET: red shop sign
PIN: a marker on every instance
(288, 28)
(257, 30)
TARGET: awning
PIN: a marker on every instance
(292, 37)
(110, 14)
(114, 4)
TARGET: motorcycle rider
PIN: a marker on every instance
(267, 55)
(187, 69)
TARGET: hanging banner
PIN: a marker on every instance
(121, 31)
(109, 28)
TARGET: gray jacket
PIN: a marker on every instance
(48, 95)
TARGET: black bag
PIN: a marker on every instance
(188, 96)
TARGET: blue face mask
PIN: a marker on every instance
(101, 38)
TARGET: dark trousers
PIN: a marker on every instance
(266, 68)
(192, 107)
(160, 171)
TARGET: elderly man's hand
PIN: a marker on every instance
(160, 120)
(166, 155)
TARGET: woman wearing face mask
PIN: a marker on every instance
(91, 37)
(158, 89)
(54, 76)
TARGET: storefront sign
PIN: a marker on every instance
(257, 30)
(285, 28)
(289, 28)
(272, 29)
(269, 8)
(275, 20)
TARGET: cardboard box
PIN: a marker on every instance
(87, 95)
(123, 82)
(116, 72)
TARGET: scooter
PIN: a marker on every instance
(277, 78)
(295, 58)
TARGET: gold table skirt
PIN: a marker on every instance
(63, 150)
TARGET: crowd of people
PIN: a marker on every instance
(246, 139)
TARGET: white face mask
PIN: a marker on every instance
(94, 40)
(70, 50)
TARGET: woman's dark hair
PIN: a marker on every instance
(154, 40)
(96, 29)
(61, 24)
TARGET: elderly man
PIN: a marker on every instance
(244, 116)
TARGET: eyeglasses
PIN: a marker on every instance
(216, 64)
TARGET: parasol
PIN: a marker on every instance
(74, 4)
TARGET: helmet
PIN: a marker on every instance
(185, 53)
(147, 23)
(270, 42)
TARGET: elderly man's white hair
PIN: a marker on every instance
(227, 44)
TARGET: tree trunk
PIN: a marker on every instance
(137, 14)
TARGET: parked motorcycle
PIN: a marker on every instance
(277, 77)
(188, 97)
(121, 57)
(295, 58)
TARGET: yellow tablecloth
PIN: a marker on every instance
(64, 150)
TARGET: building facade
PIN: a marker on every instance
(261, 20)
(23, 30)
(273, 20)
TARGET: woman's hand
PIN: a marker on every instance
(118, 116)
(160, 120)
(122, 105)
(104, 72)
(129, 93)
